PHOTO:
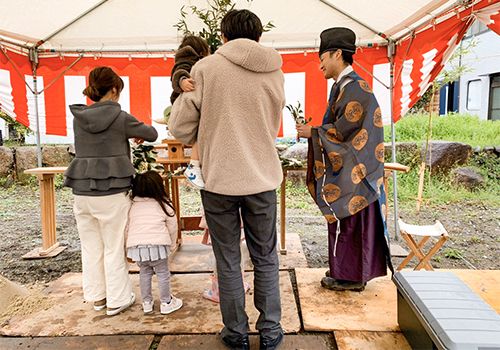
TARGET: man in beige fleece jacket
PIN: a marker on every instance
(234, 114)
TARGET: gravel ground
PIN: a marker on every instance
(474, 233)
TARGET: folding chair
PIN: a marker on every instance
(409, 234)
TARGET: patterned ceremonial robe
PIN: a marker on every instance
(346, 153)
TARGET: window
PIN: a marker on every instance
(494, 110)
(474, 95)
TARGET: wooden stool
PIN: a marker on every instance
(408, 232)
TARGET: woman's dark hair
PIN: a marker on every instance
(101, 80)
(150, 185)
(199, 45)
(238, 24)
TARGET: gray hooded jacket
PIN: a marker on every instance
(102, 164)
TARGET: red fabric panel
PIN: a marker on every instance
(18, 84)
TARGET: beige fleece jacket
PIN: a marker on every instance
(234, 114)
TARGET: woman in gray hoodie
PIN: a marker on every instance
(100, 177)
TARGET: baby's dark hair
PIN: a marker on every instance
(199, 45)
(101, 80)
(150, 185)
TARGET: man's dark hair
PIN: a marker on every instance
(238, 24)
(346, 56)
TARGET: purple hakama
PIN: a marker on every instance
(361, 249)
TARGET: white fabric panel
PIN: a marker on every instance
(295, 91)
(329, 84)
(161, 88)
(427, 66)
(73, 91)
(149, 25)
(6, 100)
(124, 100)
(406, 88)
(383, 95)
(31, 104)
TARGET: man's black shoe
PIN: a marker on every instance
(243, 344)
(271, 344)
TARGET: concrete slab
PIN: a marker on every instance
(192, 256)
(136, 342)
(356, 340)
(212, 342)
(398, 251)
(374, 309)
(69, 315)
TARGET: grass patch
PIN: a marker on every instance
(452, 127)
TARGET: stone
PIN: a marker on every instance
(442, 156)
(468, 178)
(297, 151)
(25, 159)
(55, 156)
(6, 161)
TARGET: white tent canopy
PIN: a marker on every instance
(148, 26)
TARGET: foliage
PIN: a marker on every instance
(144, 158)
(211, 18)
(20, 131)
(298, 114)
(453, 70)
(452, 127)
(452, 253)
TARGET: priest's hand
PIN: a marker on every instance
(303, 130)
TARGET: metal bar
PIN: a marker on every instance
(390, 54)
(371, 74)
(38, 143)
(61, 74)
(16, 69)
(69, 24)
(377, 32)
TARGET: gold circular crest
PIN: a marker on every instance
(380, 152)
(331, 192)
(356, 204)
(353, 111)
(358, 173)
(364, 85)
(359, 141)
(331, 135)
(319, 169)
(336, 160)
(330, 218)
(377, 118)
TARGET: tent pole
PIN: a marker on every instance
(390, 53)
(33, 56)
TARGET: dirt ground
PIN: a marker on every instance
(474, 233)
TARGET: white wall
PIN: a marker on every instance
(484, 60)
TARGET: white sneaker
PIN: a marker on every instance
(194, 176)
(174, 305)
(147, 306)
(116, 310)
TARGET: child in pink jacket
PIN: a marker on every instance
(151, 230)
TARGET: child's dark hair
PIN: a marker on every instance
(101, 80)
(150, 185)
(244, 24)
(198, 44)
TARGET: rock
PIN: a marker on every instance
(6, 161)
(281, 147)
(25, 159)
(489, 149)
(476, 149)
(468, 178)
(297, 176)
(297, 151)
(55, 156)
(442, 156)
(497, 150)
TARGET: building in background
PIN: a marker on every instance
(476, 92)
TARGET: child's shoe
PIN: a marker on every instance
(193, 174)
(147, 306)
(174, 305)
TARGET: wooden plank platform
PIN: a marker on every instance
(69, 315)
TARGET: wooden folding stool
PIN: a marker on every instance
(409, 234)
